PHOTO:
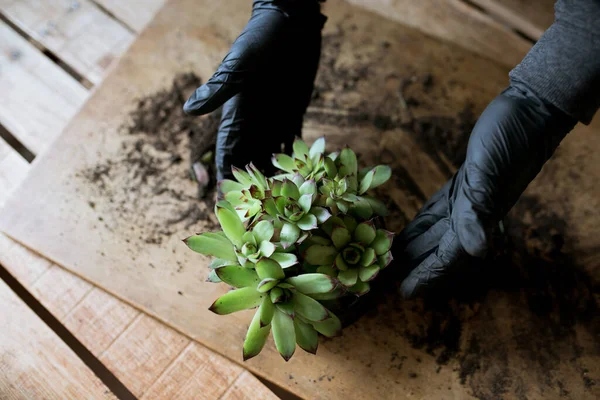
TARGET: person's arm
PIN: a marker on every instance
(556, 85)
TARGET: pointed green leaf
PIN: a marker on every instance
(340, 236)
(289, 234)
(321, 213)
(317, 148)
(361, 208)
(313, 283)
(306, 336)
(368, 257)
(256, 337)
(365, 183)
(267, 248)
(339, 263)
(348, 160)
(331, 327)
(267, 284)
(365, 233)
(235, 198)
(257, 177)
(286, 307)
(289, 189)
(249, 238)
(309, 187)
(330, 168)
(232, 225)
(342, 205)
(270, 207)
(263, 231)
(305, 202)
(213, 277)
(238, 277)
(227, 185)
(276, 295)
(385, 259)
(307, 222)
(301, 149)
(327, 270)
(276, 186)
(284, 334)
(315, 239)
(267, 268)
(367, 274)
(218, 263)
(361, 288)
(265, 311)
(383, 242)
(241, 176)
(309, 308)
(348, 277)
(298, 179)
(320, 255)
(283, 162)
(336, 294)
(382, 174)
(237, 300)
(211, 244)
(286, 260)
(378, 207)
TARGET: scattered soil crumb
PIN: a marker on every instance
(146, 185)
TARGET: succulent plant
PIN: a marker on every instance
(308, 162)
(291, 243)
(344, 188)
(351, 251)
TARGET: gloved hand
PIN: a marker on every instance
(264, 84)
(513, 138)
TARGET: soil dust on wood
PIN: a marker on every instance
(148, 184)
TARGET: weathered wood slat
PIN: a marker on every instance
(38, 97)
(13, 169)
(135, 13)
(456, 22)
(530, 17)
(247, 387)
(35, 363)
(78, 32)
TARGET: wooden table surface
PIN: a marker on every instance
(52, 56)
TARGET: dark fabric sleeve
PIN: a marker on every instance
(563, 68)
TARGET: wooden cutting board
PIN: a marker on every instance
(389, 92)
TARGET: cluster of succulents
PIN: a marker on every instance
(292, 242)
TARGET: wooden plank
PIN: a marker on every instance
(13, 169)
(78, 32)
(135, 13)
(35, 363)
(489, 349)
(141, 354)
(41, 97)
(99, 319)
(456, 22)
(198, 373)
(530, 17)
(247, 387)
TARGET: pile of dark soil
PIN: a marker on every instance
(148, 184)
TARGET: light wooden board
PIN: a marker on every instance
(457, 22)
(378, 348)
(38, 97)
(135, 13)
(78, 32)
(530, 17)
(13, 169)
(35, 363)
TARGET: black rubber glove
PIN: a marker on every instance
(264, 84)
(513, 138)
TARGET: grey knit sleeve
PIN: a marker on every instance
(563, 67)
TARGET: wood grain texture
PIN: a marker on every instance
(13, 169)
(23, 264)
(530, 17)
(383, 348)
(247, 387)
(142, 352)
(198, 373)
(135, 13)
(78, 32)
(35, 363)
(39, 98)
(456, 22)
